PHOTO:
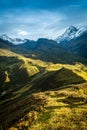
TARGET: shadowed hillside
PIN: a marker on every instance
(14, 70)
(56, 79)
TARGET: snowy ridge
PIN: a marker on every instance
(71, 33)
(14, 41)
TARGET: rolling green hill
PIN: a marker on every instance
(17, 70)
(56, 79)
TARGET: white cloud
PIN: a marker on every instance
(21, 32)
(34, 25)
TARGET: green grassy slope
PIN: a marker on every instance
(18, 70)
(63, 109)
(17, 103)
(56, 79)
(66, 109)
(14, 69)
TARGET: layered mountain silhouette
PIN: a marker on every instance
(43, 49)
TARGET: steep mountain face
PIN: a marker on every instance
(75, 40)
(78, 46)
(68, 35)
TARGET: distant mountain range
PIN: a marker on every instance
(72, 41)
(71, 33)
(42, 49)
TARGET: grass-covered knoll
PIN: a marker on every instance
(15, 68)
(64, 109)
(53, 80)
(56, 79)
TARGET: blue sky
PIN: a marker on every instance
(33, 19)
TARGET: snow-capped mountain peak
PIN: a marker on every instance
(71, 33)
(11, 40)
(71, 30)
